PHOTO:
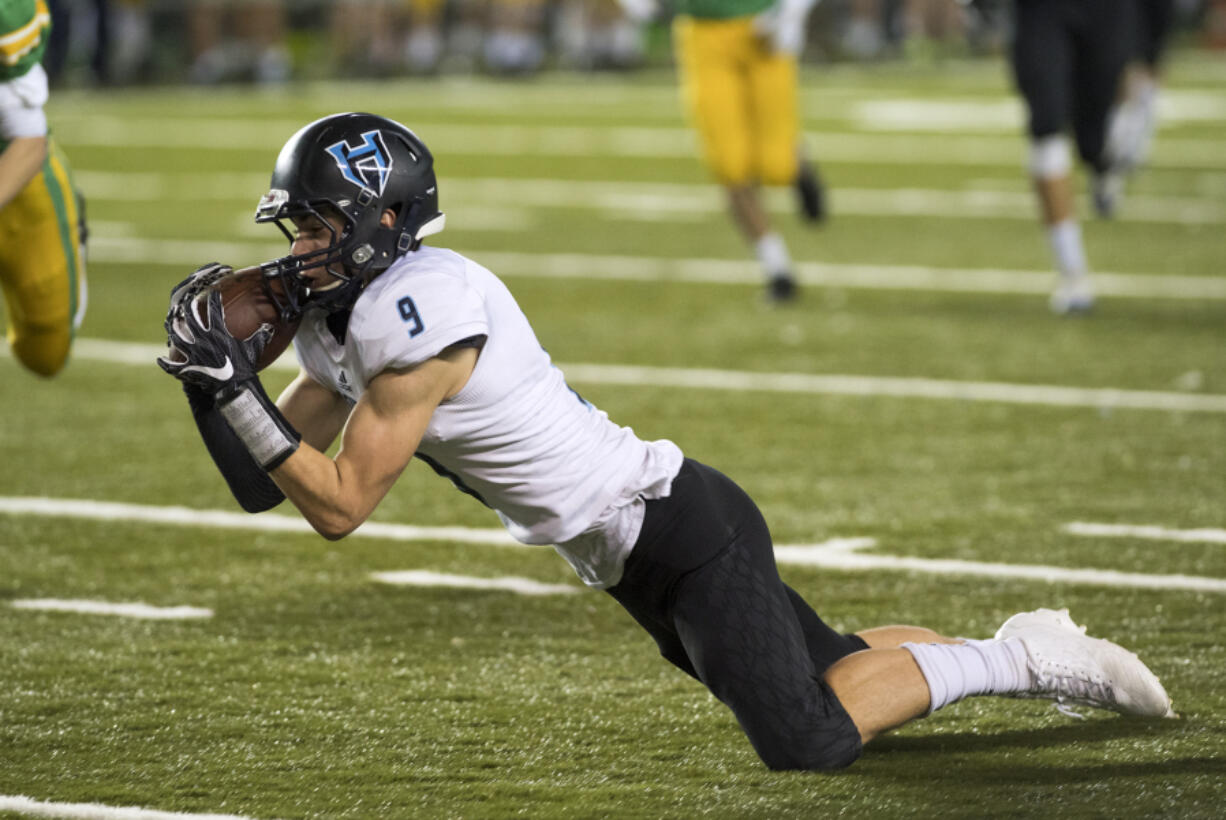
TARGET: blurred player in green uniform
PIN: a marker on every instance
(42, 234)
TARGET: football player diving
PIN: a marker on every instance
(42, 221)
(412, 350)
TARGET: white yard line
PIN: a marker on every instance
(839, 553)
(129, 250)
(507, 583)
(96, 811)
(876, 143)
(853, 276)
(845, 556)
(741, 381)
(652, 91)
(221, 519)
(960, 115)
(1147, 532)
(665, 199)
(127, 610)
(661, 201)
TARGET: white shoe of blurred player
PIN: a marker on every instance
(1070, 667)
(1073, 294)
(1106, 190)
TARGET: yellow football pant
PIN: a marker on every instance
(42, 267)
(741, 98)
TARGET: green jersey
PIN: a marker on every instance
(719, 9)
(23, 36)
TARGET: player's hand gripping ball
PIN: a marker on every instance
(223, 327)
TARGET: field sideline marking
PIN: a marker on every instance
(838, 553)
(128, 610)
(188, 252)
(133, 353)
(96, 811)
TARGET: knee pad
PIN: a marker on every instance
(821, 756)
(825, 741)
(1050, 157)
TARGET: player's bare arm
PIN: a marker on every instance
(318, 413)
(380, 437)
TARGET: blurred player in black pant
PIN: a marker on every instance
(1068, 57)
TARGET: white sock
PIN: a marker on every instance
(772, 252)
(954, 671)
(1066, 247)
(1148, 102)
(1147, 94)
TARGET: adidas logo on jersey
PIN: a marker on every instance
(343, 384)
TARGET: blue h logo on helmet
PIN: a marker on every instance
(366, 165)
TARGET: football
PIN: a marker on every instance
(246, 305)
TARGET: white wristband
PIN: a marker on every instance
(264, 438)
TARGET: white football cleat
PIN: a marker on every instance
(1069, 666)
(1106, 190)
(1072, 295)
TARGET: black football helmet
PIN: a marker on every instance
(356, 166)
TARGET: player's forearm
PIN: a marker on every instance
(317, 486)
(333, 497)
(19, 163)
(381, 434)
(251, 486)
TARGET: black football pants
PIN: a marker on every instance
(1068, 56)
(1153, 25)
(702, 580)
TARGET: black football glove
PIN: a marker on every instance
(209, 361)
(201, 351)
(181, 295)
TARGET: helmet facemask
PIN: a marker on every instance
(338, 258)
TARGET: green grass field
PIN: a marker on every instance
(970, 427)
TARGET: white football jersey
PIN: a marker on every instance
(553, 466)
